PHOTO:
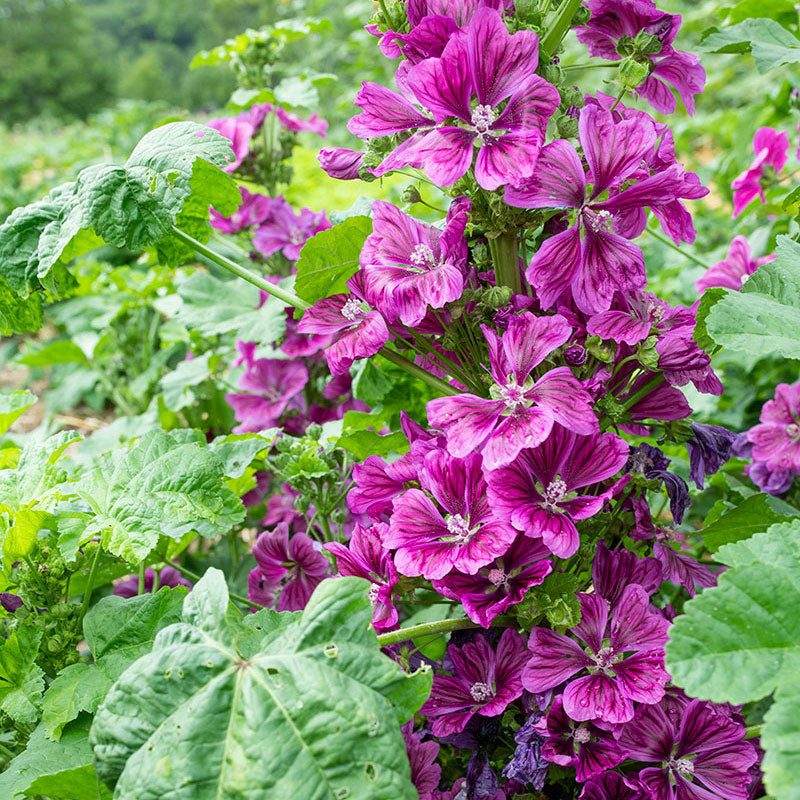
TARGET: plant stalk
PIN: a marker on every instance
(558, 30)
(193, 576)
(643, 392)
(505, 258)
(87, 594)
(439, 626)
(669, 243)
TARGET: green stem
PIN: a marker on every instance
(558, 30)
(621, 94)
(751, 731)
(6, 752)
(669, 243)
(505, 257)
(87, 593)
(439, 626)
(289, 298)
(643, 392)
(588, 65)
(193, 576)
(234, 542)
(156, 579)
(418, 372)
(141, 578)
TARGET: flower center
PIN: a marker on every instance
(600, 221)
(459, 528)
(513, 395)
(640, 462)
(793, 430)
(554, 493)
(373, 594)
(422, 257)
(482, 119)
(296, 236)
(481, 692)
(683, 766)
(581, 735)
(352, 310)
(604, 658)
(497, 577)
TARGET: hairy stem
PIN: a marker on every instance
(669, 243)
(505, 258)
(558, 30)
(439, 626)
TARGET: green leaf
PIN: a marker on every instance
(738, 641)
(58, 352)
(177, 385)
(237, 450)
(330, 258)
(780, 738)
(18, 315)
(764, 317)
(21, 679)
(189, 719)
(165, 484)
(61, 770)
(769, 42)
(752, 516)
(118, 631)
(212, 306)
(13, 406)
(707, 302)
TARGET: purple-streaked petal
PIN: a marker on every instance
(558, 181)
(555, 265)
(466, 420)
(554, 659)
(384, 112)
(597, 697)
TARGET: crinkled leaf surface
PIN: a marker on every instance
(118, 631)
(60, 770)
(764, 317)
(21, 679)
(310, 710)
(166, 483)
(780, 739)
(330, 258)
(17, 314)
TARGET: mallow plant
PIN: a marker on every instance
(481, 571)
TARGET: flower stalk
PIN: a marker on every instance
(505, 258)
(438, 626)
(561, 24)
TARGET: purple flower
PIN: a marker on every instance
(11, 602)
(612, 20)
(610, 786)
(499, 585)
(770, 147)
(169, 576)
(409, 265)
(522, 410)
(633, 316)
(425, 772)
(613, 570)
(481, 782)
(603, 262)
(486, 64)
(681, 360)
(734, 270)
(584, 746)
(295, 561)
(314, 124)
(357, 331)
(652, 463)
(701, 755)
(709, 449)
(255, 209)
(628, 668)
(365, 557)
(269, 384)
(485, 682)
(239, 131)
(378, 483)
(776, 440)
(287, 231)
(528, 764)
(682, 569)
(537, 492)
(458, 531)
(341, 163)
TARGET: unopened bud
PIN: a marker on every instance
(575, 355)
(410, 195)
(633, 73)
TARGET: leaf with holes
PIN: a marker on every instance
(189, 719)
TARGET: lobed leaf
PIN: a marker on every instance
(770, 43)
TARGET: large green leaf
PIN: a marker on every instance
(21, 679)
(60, 770)
(17, 314)
(166, 483)
(769, 42)
(118, 631)
(764, 317)
(330, 258)
(780, 739)
(310, 709)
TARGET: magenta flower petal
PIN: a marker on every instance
(559, 181)
(554, 659)
(469, 420)
(560, 392)
(555, 265)
(384, 112)
(529, 427)
(439, 85)
(597, 697)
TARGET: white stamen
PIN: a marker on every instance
(513, 395)
(683, 766)
(581, 735)
(554, 493)
(497, 577)
(352, 309)
(459, 528)
(793, 429)
(482, 119)
(422, 256)
(599, 221)
(373, 594)
(481, 692)
(297, 237)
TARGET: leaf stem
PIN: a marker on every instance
(558, 30)
(438, 626)
(141, 578)
(290, 298)
(87, 593)
(669, 243)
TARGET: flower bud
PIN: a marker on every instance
(575, 355)
(340, 163)
(633, 73)
(410, 195)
